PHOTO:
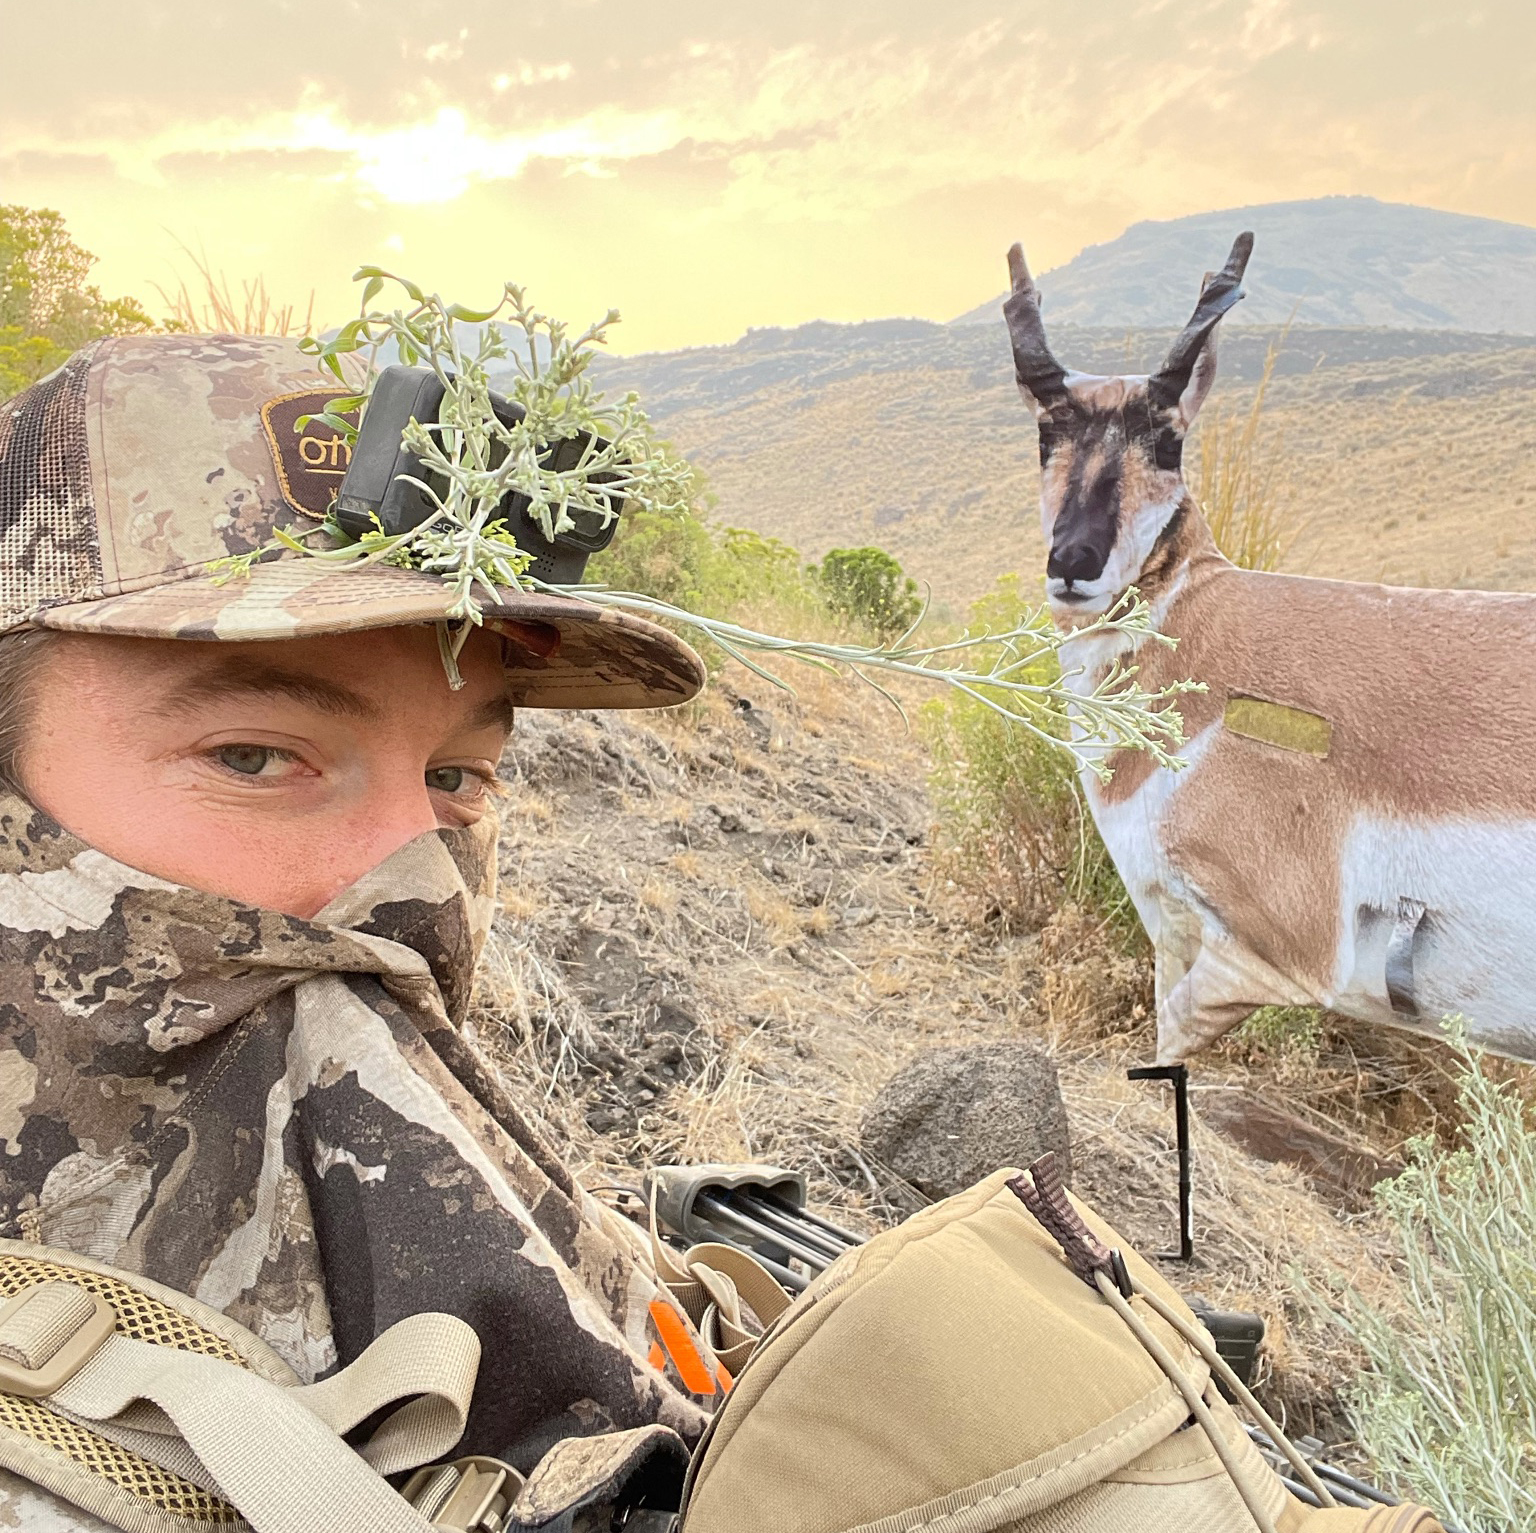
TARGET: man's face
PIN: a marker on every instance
(274, 773)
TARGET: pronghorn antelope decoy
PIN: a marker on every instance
(1356, 825)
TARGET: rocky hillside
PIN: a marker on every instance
(1405, 455)
(1331, 260)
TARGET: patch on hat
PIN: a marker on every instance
(310, 463)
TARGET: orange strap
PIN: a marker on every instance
(686, 1357)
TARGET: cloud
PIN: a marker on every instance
(833, 160)
(806, 130)
(532, 74)
(435, 159)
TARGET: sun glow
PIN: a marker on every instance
(439, 159)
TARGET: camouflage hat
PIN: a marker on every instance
(143, 458)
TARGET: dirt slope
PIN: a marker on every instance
(722, 930)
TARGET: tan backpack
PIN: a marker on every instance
(979, 1369)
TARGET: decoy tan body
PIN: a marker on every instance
(1356, 823)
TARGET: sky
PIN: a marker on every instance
(709, 167)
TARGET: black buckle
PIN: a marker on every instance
(376, 493)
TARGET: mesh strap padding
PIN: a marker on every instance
(139, 1315)
(145, 1318)
(48, 546)
(140, 1478)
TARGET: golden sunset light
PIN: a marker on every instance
(899, 892)
(709, 168)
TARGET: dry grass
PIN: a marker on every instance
(1378, 1084)
(659, 896)
(209, 305)
(773, 914)
(1241, 481)
(1090, 986)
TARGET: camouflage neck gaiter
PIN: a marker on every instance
(285, 1119)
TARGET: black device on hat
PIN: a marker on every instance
(374, 495)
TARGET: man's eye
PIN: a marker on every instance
(248, 760)
(450, 779)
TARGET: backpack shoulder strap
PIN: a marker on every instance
(159, 1426)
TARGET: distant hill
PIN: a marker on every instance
(1403, 403)
(809, 360)
(911, 435)
(1334, 260)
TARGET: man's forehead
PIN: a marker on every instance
(194, 676)
(224, 678)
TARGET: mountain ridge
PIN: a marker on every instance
(1338, 261)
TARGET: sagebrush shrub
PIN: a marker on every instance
(869, 586)
(1447, 1403)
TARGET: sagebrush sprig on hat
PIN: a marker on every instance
(473, 460)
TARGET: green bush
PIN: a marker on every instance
(1282, 1030)
(748, 569)
(665, 552)
(674, 554)
(47, 308)
(1447, 1403)
(1014, 832)
(868, 586)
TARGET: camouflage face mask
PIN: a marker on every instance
(285, 1119)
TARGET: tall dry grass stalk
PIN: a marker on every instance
(209, 305)
(1242, 485)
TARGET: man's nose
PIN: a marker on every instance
(387, 821)
(1078, 560)
(402, 816)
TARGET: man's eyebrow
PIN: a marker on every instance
(498, 711)
(236, 679)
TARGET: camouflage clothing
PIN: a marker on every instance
(287, 1120)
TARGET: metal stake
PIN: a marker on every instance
(1179, 1076)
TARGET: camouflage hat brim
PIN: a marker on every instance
(561, 652)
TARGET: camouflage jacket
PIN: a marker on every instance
(286, 1119)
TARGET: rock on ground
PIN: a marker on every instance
(953, 1116)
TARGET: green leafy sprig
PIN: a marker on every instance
(473, 460)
